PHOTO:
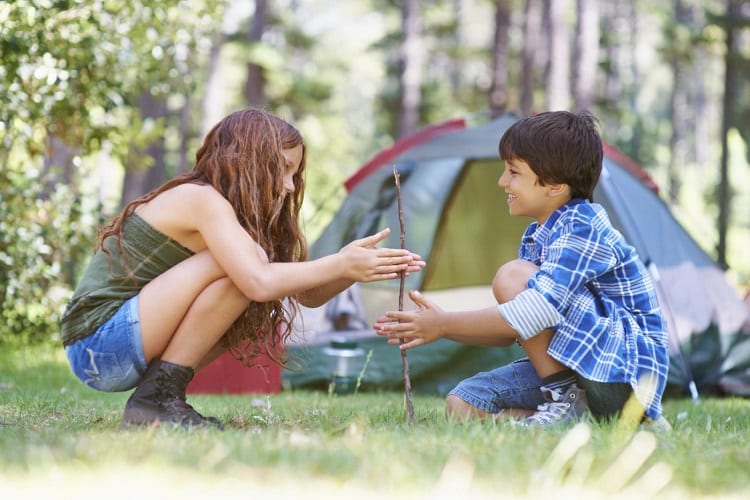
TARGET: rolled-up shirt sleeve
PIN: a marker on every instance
(529, 313)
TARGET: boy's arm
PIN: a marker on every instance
(429, 322)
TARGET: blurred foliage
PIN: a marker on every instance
(73, 67)
(71, 70)
(43, 240)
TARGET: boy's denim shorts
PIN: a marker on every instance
(517, 385)
(112, 358)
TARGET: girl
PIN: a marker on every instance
(202, 265)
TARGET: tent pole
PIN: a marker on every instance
(692, 387)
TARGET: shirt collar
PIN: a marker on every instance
(537, 232)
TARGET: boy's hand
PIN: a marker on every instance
(416, 328)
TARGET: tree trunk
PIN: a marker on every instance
(701, 107)
(678, 118)
(730, 82)
(531, 28)
(255, 85)
(612, 84)
(139, 180)
(558, 65)
(500, 60)
(635, 78)
(586, 54)
(411, 69)
(698, 105)
(678, 114)
(185, 118)
(455, 68)
(213, 100)
(57, 167)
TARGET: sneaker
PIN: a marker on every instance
(561, 407)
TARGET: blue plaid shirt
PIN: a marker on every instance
(593, 290)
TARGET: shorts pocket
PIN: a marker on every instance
(103, 372)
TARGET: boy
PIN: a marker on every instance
(578, 299)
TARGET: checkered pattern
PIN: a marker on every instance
(595, 292)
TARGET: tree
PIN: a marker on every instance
(679, 47)
(212, 104)
(498, 94)
(151, 169)
(733, 21)
(586, 54)
(255, 85)
(411, 69)
(171, 58)
(531, 39)
(558, 66)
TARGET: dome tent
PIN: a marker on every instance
(456, 217)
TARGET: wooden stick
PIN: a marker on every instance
(404, 359)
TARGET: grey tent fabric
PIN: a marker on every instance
(457, 219)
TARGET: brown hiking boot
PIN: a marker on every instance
(160, 398)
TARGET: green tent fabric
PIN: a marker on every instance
(456, 217)
(434, 369)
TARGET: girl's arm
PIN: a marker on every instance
(241, 258)
(316, 297)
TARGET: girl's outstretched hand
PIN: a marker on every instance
(365, 262)
(415, 328)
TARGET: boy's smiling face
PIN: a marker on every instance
(526, 195)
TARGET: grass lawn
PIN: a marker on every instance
(59, 439)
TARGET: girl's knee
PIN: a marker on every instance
(219, 282)
(512, 278)
(226, 288)
(203, 264)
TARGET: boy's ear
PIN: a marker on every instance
(555, 190)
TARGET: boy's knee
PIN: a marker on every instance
(453, 405)
(458, 409)
(511, 279)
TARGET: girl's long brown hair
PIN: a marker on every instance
(241, 158)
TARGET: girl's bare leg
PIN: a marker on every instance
(214, 353)
(185, 311)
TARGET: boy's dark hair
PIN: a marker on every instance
(560, 147)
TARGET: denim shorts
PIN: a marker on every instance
(112, 358)
(517, 385)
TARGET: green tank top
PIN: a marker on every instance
(110, 280)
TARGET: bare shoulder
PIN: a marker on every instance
(181, 211)
(192, 190)
(189, 199)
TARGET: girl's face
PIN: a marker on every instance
(526, 196)
(293, 158)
